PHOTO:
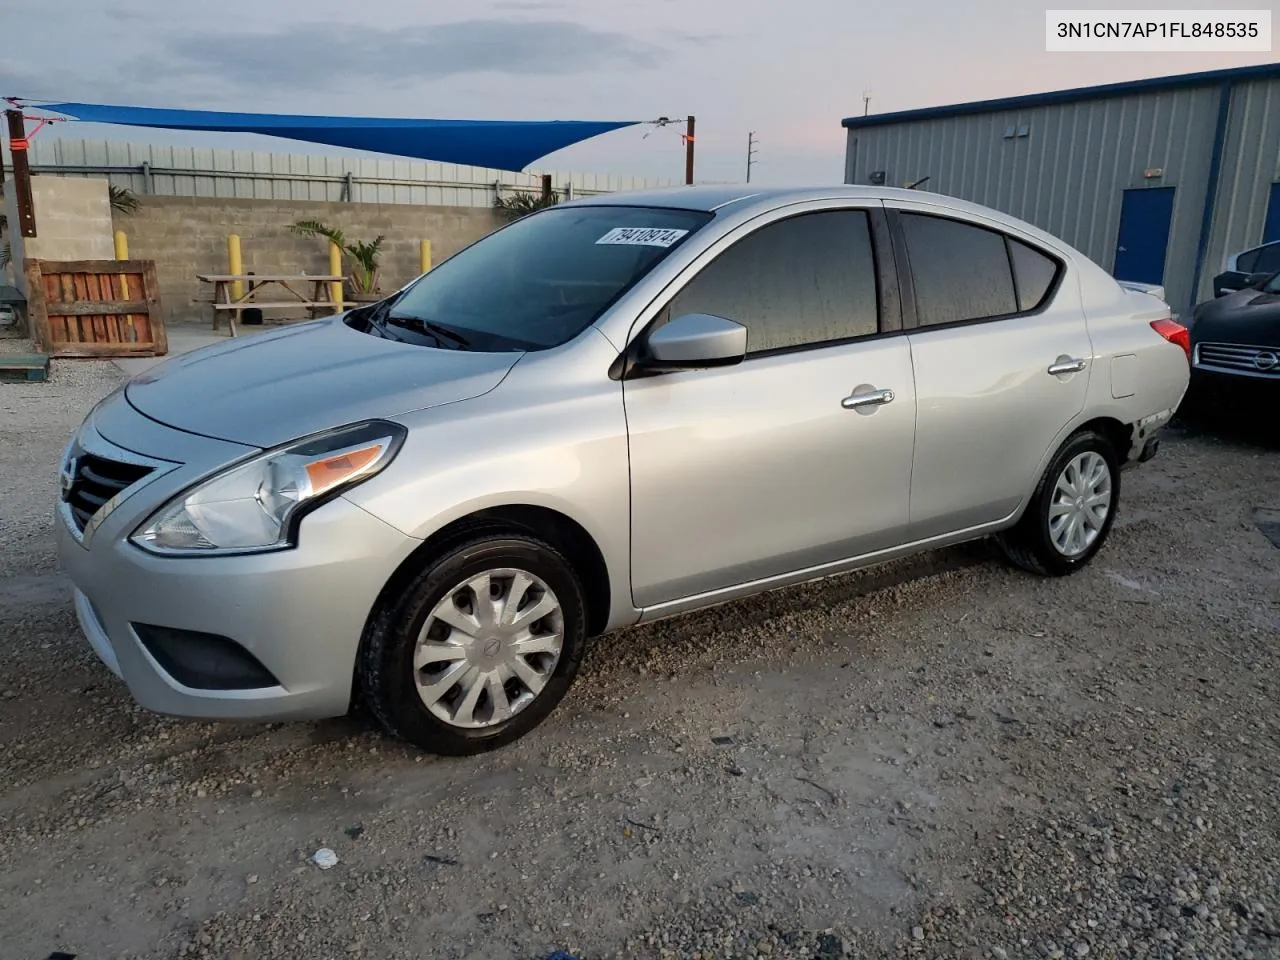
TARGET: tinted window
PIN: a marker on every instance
(960, 272)
(1246, 261)
(808, 279)
(1268, 259)
(542, 280)
(1033, 274)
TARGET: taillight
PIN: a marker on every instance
(1174, 332)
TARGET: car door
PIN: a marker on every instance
(800, 455)
(1002, 360)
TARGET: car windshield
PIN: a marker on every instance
(535, 284)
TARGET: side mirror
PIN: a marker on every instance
(1230, 282)
(694, 341)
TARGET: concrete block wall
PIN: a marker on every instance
(187, 236)
(73, 222)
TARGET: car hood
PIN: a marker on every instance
(1247, 317)
(271, 388)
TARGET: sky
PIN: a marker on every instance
(789, 70)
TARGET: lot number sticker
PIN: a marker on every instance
(643, 236)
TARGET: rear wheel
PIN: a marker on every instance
(1071, 511)
(479, 649)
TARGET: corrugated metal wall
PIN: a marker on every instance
(1069, 174)
(248, 174)
(1250, 164)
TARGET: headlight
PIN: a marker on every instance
(256, 505)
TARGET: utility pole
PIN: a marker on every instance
(751, 152)
(21, 173)
(688, 153)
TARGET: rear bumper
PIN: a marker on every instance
(1145, 439)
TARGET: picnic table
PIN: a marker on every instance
(278, 284)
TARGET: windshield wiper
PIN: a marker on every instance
(377, 316)
(437, 330)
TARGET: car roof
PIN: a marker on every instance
(749, 200)
(712, 197)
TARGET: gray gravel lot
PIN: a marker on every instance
(936, 758)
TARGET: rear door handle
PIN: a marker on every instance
(872, 398)
(1066, 365)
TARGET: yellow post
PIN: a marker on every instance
(426, 256)
(234, 265)
(335, 270)
(122, 253)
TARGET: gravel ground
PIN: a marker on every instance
(936, 758)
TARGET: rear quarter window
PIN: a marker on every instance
(1033, 274)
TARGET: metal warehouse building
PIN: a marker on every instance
(1156, 180)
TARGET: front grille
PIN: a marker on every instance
(1259, 361)
(95, 481)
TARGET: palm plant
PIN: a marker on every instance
(6, 251)
(123, 200)
(363, 253)
(524, 202)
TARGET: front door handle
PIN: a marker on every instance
(871, 398)
(1066, 365)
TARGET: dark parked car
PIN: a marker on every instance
(1248, 268)
(1235, 339)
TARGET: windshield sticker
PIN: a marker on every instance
(643, 236)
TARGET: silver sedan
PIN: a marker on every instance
(610, 411)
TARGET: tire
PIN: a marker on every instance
(1035, 543)
(474, 646)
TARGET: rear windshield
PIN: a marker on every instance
(536, 283)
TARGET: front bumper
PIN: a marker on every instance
(1233, 381)
(299, 612)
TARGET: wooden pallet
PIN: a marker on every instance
(96, 308)
(24, 367)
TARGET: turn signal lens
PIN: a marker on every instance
(328, 473)
(1175, 333)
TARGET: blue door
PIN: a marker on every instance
(1271, 231)
(1144, 234)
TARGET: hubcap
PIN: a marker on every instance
(488, 648)
(1080, 505)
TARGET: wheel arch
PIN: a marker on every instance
(1115, 431)
(1107, 425)
(545, 523)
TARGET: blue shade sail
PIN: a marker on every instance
(498, 144)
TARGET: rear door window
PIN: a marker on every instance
(961, 272)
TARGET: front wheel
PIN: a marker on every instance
(1071, 511)
(477, 650)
